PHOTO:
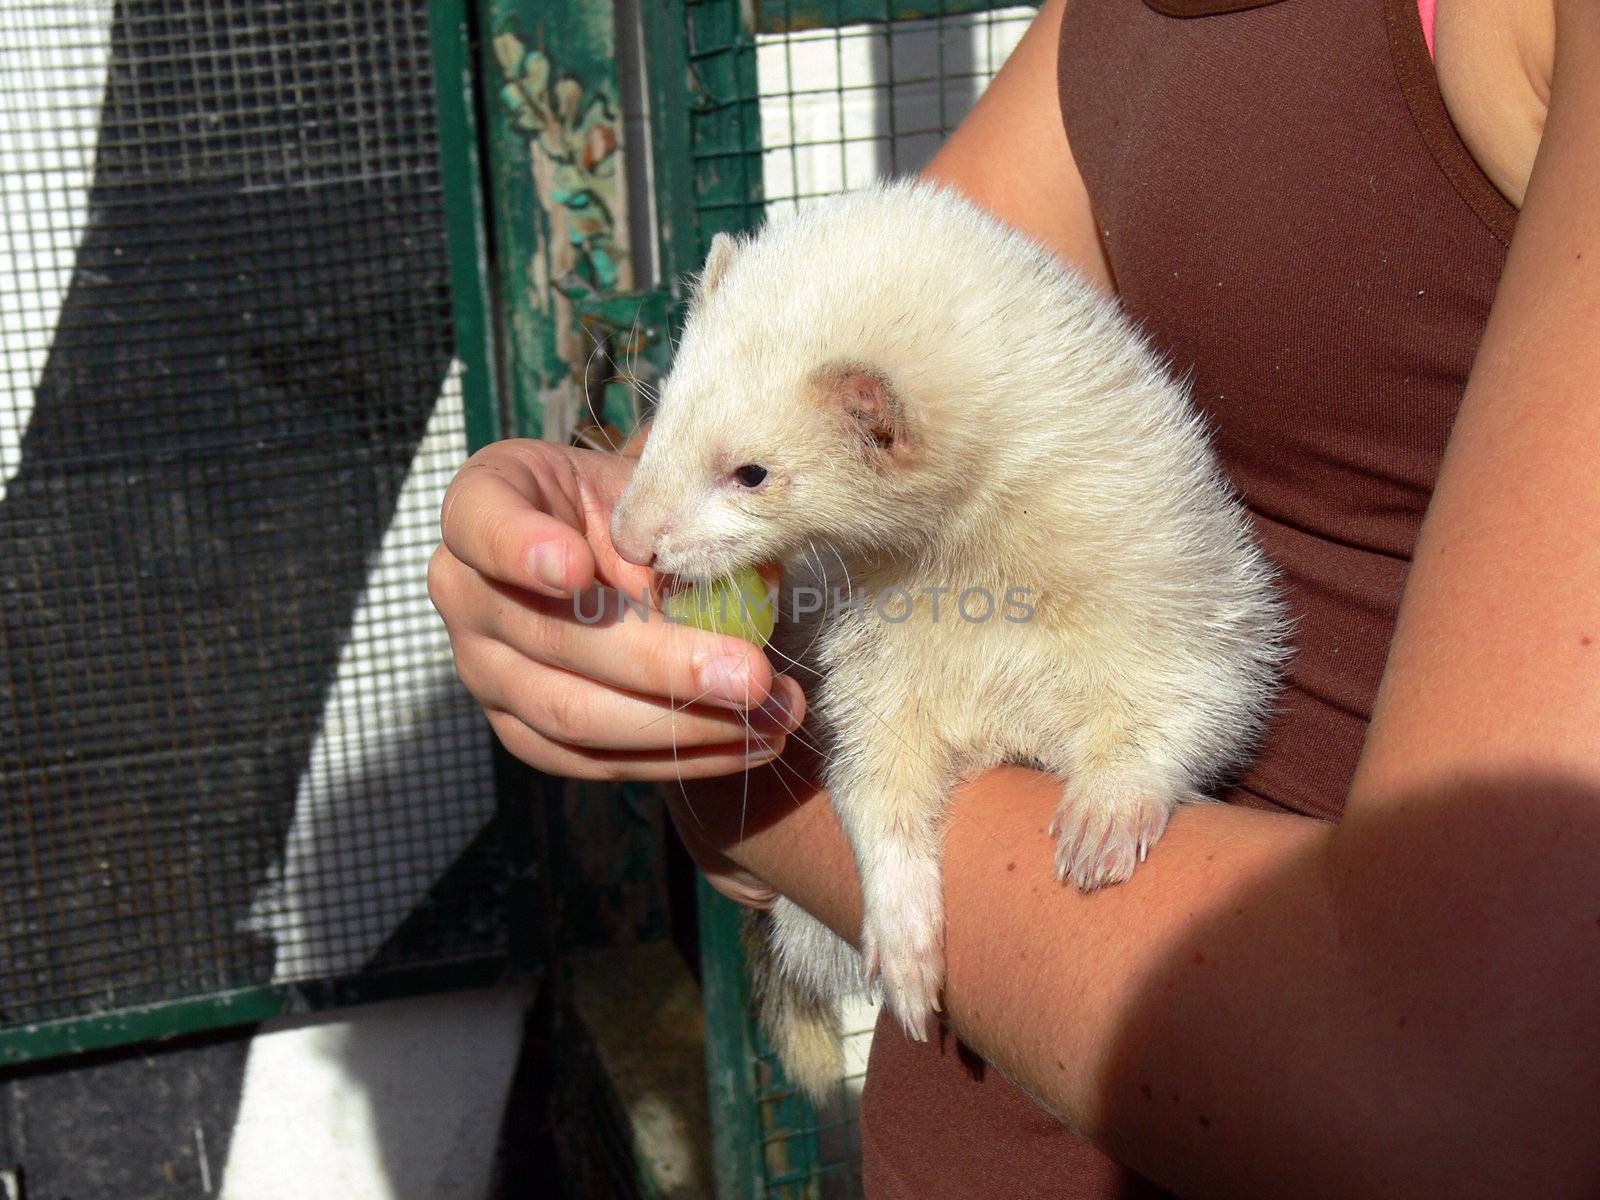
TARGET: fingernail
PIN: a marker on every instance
(726, 677)
(773, 716)
(548, 562)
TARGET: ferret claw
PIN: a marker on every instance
(870, 965)
(1105, 828)
(912, 961)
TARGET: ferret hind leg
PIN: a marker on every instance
(889, 780)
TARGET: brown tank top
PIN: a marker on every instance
(1291, 216)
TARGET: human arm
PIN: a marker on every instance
(1404, 1004)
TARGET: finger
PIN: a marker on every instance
(576, 762)
(515, 513)
(743, 889)
(644, 654)
(619, 640)
(579, 712)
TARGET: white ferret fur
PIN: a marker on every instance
(939, 404)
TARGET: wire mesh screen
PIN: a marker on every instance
(232, 748)
(841, 107)
(820, 97)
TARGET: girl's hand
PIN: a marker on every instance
(574, 682)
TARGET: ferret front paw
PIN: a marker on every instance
(1105, 825)
(907, 957)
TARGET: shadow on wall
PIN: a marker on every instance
(255, 333)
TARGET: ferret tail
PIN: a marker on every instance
(797, 967)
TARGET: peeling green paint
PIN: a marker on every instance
(559, 196)
(574, 135)
(567, 311)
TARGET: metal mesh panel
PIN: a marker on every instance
(820, 97)
(841, 107)
(232, 749)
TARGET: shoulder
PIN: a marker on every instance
(1495, 61)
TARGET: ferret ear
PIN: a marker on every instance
(719, 258)
(866, 397)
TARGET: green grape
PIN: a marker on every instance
(736, 604)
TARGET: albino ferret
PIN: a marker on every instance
(1029, 553)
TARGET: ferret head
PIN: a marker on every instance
(798, 410)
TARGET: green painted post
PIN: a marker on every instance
(562, 283)
(462, 169)
(666, 37)
(559, 195)
(730, 1050)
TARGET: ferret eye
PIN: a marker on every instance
(750, 475)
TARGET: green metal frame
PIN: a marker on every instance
(665, 30)
(463, 181)
(730, 1050)
(569, 334)
(792, 16)
(241, 1006)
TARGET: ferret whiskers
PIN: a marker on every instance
(673, 708)
(583, 380)
(677, 766)
(744, 776)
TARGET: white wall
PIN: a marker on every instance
(53, 56)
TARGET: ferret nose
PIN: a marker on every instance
(634, 543)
